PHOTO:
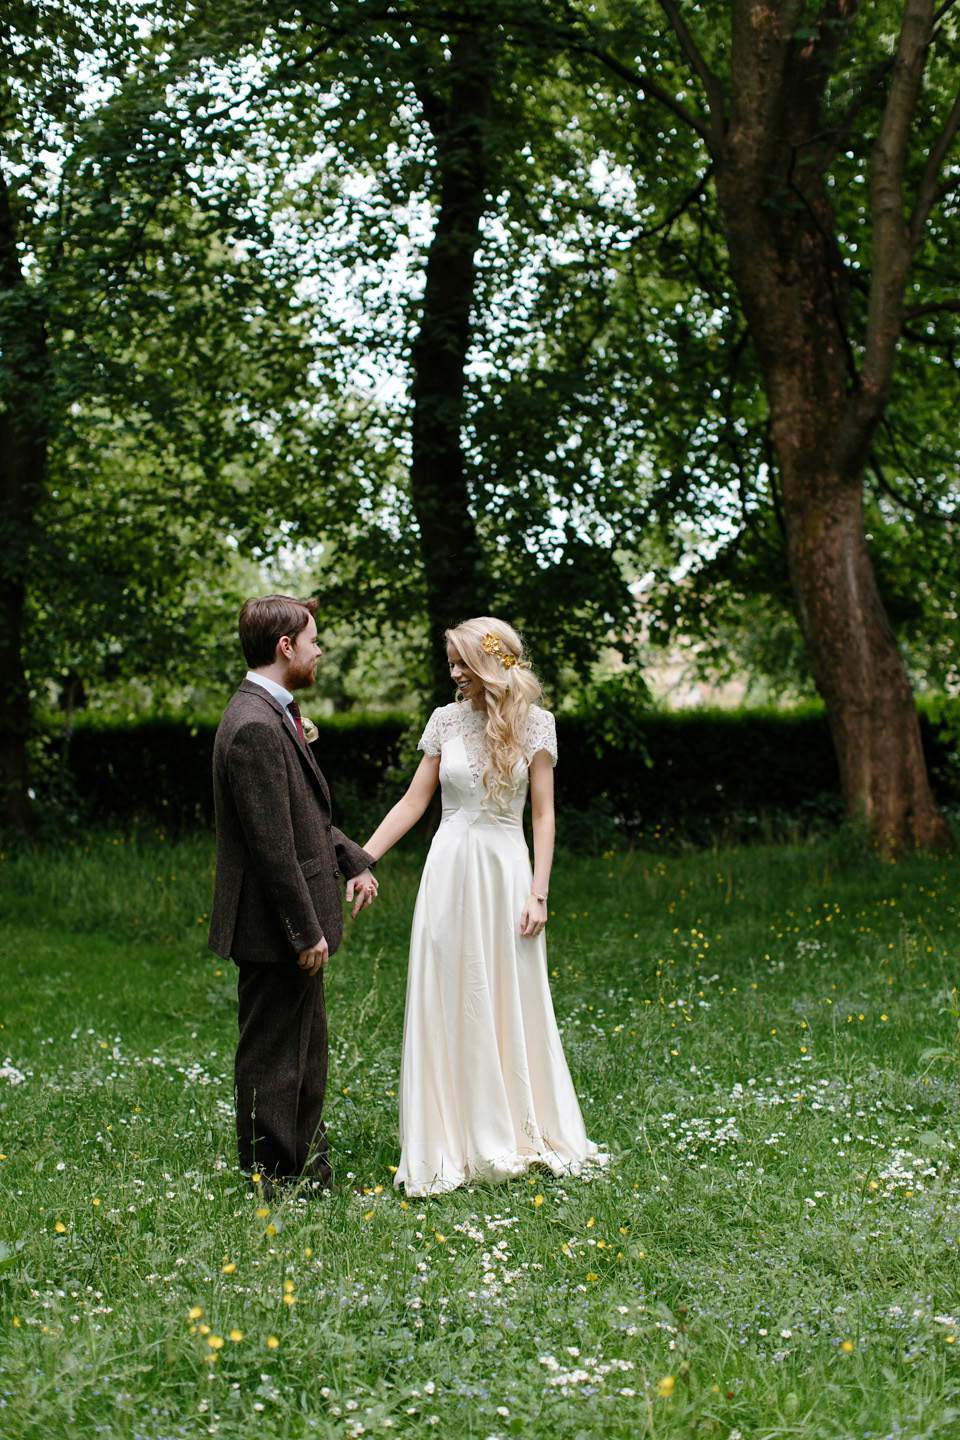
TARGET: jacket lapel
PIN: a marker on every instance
(249, 687)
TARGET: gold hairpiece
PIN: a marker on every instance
(492, 646)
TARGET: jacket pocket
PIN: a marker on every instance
(313, 866)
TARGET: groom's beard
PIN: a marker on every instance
(302, 676)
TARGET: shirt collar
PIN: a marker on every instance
(271, 686)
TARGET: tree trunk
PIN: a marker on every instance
(23, 446)
(856, 664)
(793, 285)
(454, 567)
(797, 320)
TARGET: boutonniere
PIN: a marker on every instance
(310, 731)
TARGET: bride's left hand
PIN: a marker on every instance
(533, 917)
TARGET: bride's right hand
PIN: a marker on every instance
(533, 917)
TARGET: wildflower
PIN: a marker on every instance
(591, 1276)
(847, 1347)
(262, 1213)
(60, 1228)
(272, 1342)
(271, 1229)
(229, 1268)
(666, 1385)
(538, 1200)
(236, 1336)
(215, 1342)
(95, 1200)
(195, 1312)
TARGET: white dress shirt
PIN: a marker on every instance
(278, 692)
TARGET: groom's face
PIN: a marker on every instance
(302, 665)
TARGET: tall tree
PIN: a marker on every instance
(459, 114)
(430, 129)
(785, 106)
(144, 357)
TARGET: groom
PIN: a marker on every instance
(277, 909)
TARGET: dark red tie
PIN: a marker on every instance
(293, 710)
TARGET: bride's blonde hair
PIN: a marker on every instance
(493, 650)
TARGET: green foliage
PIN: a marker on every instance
(722, 579)
(171, 349)
(772, 1250)
(227, 257)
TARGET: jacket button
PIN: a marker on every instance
(329, 828)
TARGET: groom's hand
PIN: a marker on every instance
(315, 958)
(364, 888)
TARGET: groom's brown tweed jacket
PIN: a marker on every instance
(279, 858)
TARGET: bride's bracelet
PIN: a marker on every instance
(541, 898)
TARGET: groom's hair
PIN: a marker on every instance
(264, 619)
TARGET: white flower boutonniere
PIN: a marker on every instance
(310, 731)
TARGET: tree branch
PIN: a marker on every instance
(914, 507)
(892, 246)
(933, 307)
(652, 89)
(930, 185)
(710, 80)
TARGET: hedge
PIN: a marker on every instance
(674, 776)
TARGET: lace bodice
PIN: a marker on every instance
(469, 724)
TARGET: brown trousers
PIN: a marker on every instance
(280, 1073)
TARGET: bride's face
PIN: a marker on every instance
(463, 677)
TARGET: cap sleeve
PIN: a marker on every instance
(541, 733)
(431, 741)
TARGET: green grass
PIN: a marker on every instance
(773, 1251)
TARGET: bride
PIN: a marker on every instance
(484, 1087)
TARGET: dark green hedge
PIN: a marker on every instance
(158, 771)
(680, 776)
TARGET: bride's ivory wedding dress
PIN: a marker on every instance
(485, 1091)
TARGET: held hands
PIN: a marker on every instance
(533, 917)
(314, 959)
(363, 888)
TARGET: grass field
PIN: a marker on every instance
(772, 1252)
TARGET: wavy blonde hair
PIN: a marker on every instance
(509, 691)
